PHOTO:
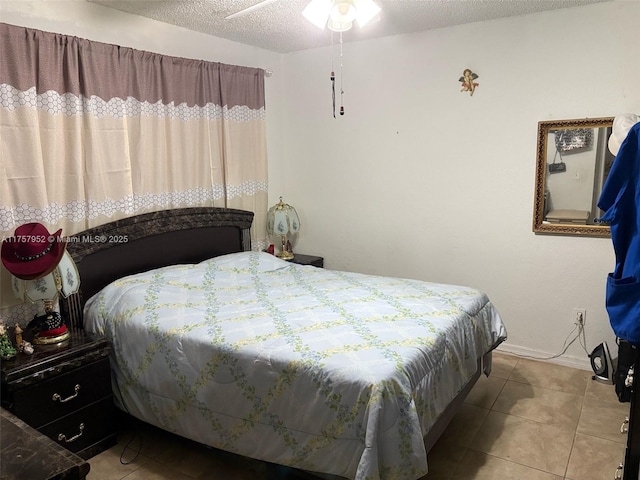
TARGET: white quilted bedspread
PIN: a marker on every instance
(326, 371)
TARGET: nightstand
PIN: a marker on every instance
(312, 260)
(65, 393)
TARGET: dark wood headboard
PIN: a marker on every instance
(151, 240)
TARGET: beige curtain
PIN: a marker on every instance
(91, 132)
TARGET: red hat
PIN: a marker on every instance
(32, 252)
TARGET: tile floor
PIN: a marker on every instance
(529, 420)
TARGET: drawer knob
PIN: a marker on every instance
(62, 437)
(624, 428)
(57, 397)
(628, 382)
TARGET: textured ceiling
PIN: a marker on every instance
(280, 26)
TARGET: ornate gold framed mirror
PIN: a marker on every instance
(572, 164)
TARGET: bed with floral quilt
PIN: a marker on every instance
(336, 373)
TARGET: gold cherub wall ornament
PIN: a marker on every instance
(467, 79)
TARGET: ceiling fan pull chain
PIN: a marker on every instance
(341, 76)
(333, 93)
(333, 80)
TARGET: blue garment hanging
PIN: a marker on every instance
(620, 200)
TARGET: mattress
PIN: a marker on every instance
(326, 371)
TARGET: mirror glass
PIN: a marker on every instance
(572, 164)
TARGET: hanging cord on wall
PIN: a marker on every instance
(333, 80)
(567, 343)
(341, 77)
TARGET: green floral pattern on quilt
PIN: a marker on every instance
(322, 370)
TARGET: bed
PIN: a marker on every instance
(334, 373)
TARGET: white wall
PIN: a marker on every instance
(418, 179)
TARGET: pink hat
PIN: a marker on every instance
(32, 252)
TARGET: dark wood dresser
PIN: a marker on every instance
(26, 454)
(630, 469)
(65, 393)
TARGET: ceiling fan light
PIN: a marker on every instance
(338, 26)
(366, 10)
(317, 12)
(339, 15)
(343, 11)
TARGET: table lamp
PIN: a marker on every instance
(41, 270)
(282, 219)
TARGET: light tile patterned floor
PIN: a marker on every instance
(530, 420)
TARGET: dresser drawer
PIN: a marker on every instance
(83, 428)
(49, 400)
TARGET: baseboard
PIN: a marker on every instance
(581, 363)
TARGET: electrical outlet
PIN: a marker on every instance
(579, 316)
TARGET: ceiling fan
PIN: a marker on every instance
(250, 9)
(337, 15)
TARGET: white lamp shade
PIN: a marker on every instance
(281, 223)
(294, 221)
(45, 288)
(69, 275)
(282, 219)
(41, 288)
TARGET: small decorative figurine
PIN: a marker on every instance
(6, 349)
(18, 335)
(26, 347)
(467, 79)
(23, 345)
